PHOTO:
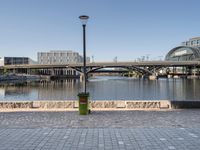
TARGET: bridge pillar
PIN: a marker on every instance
(152, 77)
(14, 71)
(48, 72)
(52, 72)
(189, 70)
(81, 77)
(174, 75)
(56, 72)
(28, 71)
(194, 72)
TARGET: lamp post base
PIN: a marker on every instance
(83, 103)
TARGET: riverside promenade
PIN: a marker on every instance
(177, 129)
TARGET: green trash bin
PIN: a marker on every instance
(83, 103)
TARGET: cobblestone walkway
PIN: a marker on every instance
(140, 130)
(101, 138)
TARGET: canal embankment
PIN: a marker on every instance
(97, 105)
(18, 77)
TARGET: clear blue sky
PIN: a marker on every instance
(127, 29)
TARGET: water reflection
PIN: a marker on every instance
(104, 88)
(59, 90)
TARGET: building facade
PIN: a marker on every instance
(188, 51)
(60, 57)
(193, 42)
(15, 61)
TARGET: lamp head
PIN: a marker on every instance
(83, 19)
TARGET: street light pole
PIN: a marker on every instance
(84, 58)
(84, 19)
(83, 97)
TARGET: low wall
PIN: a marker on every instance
(93, 105)
(129, 105)
(185, 104)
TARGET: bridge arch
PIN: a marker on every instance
(137, 69)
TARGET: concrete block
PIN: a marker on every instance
(76, 104)
(97, 104)
(165, 105)
(109, 104)
(69, 104)
(121, 104)
(35, 104)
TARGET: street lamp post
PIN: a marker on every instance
(84, 19)
(83, 97)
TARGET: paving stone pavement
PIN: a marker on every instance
(100, 138)
(154, 130)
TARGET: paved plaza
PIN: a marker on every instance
(142, 130)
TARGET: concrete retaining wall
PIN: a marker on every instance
(185, 104)
(97, 105)
(94, 105)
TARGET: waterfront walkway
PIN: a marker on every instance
(174, 129)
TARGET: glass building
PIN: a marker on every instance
(15, 61)
(190, 50)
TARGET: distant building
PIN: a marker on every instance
(60, 57)
(193, 42)
(188, 51)
(15, 61)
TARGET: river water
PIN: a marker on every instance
(104, 88)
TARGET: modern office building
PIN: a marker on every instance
(188, 51)
(60, 57)
(15, 61)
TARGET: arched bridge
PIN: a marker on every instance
(144, 67)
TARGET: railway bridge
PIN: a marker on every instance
(143, 67)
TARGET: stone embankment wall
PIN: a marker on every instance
(93, 105)
(185, 104)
